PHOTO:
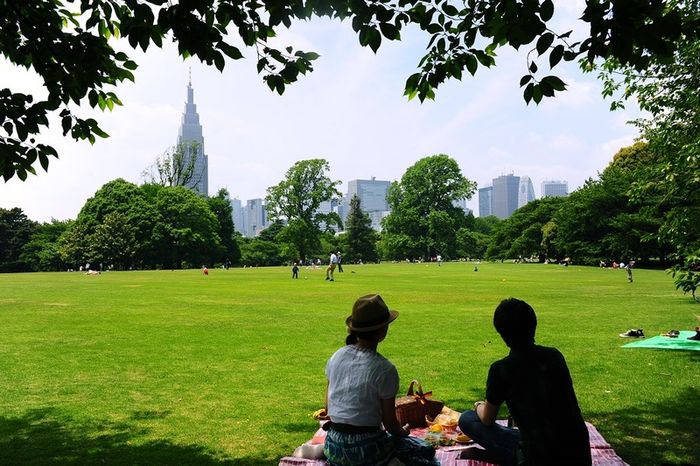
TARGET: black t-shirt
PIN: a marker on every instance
(536, 385)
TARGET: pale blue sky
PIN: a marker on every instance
(350, 111)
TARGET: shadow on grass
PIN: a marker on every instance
(47, 436)
(665, 433)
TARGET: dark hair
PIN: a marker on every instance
(354, 336)
(516, 322)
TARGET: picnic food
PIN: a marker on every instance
(447, 419)
(462, 438)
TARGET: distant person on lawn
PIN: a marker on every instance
(332, 264)
(535, 384)
(361, 397)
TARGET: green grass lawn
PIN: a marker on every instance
(171, 367)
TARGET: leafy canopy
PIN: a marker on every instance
(81, 62)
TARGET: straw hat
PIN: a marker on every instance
(370, 313)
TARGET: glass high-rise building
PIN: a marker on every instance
(485, 198)
(191, 141)
(555, 188)
(526, 192)
(372, 194)
(505, 195)
(256, 217)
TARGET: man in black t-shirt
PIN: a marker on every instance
(535, 384)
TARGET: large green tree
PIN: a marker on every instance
(175, 167)
(82, 64)
(137, 214)
(220, 205)
(668, 91)
(297, 200)
(423, 219)
(522, 235)
(41, 252)
(601, 222)
(360, 238)
(16, 229)
(186, 230)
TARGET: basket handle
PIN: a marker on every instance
(419, 391)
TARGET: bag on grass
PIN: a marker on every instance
(412, 408)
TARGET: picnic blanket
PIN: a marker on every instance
(602, 453)
(661, 342)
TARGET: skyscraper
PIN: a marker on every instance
(485, 201)
(191, 142)
(526, 192)
(372, 194)
(238, 215)
(505, 195)
(555, 188)
(256, 217)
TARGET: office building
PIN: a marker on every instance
(505, 195)
(191, 141)
(238, 215)
(485, 201)
(256, 217)
(372, 194)
(526, 192)
(555, 188)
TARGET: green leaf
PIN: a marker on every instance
(230, 51)
(546, 10)
(390, 31)
(533, 67)
(544, 42)
(556, 55)
(556, 83)
(472, 64)
(536, 93)
(525, 79)
(44, 161)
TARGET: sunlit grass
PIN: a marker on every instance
(178, 368)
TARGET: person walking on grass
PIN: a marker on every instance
(340, 263)
(535, 384)
(361, 396)
(332, 264)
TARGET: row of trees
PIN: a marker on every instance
(154, 226)
(126, 226)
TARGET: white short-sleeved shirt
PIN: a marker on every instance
(357, 380)
(334, 259)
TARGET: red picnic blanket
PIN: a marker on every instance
(602, 453)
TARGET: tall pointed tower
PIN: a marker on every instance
(192, 142)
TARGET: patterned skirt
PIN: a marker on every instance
(376, 449)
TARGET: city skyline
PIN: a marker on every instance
(350, 111)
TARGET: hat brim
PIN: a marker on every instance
(392, 317)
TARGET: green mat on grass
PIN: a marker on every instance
(680, 343)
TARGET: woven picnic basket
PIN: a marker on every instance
(412, 408)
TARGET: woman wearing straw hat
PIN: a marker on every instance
(360, 397)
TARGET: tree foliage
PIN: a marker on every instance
(175, 167)
(423, 219)
(360, 238)
(16, 229)
(82, 63)
(220, 206)
(668, 90)
(297, 200)
(522, 234)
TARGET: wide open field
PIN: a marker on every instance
(171, 367)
